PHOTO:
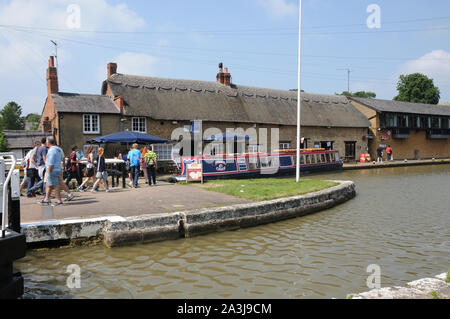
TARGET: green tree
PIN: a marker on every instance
(362, 94)
(11, 117)
(417, 88)
(33, 118)
(3, 147)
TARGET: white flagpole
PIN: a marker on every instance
(299, 96)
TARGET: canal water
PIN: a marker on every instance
(399, 220)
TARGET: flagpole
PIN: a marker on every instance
(299, 96)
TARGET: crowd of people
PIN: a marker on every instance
(45, 166)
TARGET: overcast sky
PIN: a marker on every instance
(255, 39)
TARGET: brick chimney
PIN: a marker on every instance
(112, 69)
(223, 77)
(52, 77)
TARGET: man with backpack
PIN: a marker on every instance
(151, 164)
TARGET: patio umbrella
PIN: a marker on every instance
(129, 137)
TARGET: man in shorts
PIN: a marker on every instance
(53, 175)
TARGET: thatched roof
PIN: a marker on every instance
(84, 103)
(171, 99)
(403, 107)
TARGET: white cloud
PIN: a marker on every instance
(435, 65)
(279, 8)
(94, 14)
(24, 54)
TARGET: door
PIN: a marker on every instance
(350, 151)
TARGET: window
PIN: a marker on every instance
(391, 120)
(435, 122)
(424, 122)
(217, 148)
(91, 124)
(253, 148)
(164, 152)
(139, 124)
(403, 121)
(285, 145)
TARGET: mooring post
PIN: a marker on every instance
(14, 202)
(124, 175)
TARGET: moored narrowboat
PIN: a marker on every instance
(282, 162)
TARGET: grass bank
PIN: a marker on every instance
(262, 189)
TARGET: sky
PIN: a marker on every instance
(256, 39)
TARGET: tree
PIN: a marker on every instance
(11, 117)
(34, 119)
(3, 147)
(417, 88)
(362, 94)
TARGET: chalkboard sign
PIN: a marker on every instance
(194, 172)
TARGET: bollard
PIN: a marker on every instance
(14, 202)
(124, 176)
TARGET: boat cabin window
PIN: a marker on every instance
(302, 160)
(285, 145)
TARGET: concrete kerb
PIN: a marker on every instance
(116, 231)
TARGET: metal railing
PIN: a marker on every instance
(4, 182)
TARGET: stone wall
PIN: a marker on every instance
(115, 231)
(426, 288)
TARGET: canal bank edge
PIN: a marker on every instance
(426, 288)
(117, 231)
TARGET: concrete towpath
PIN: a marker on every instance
(163, 198)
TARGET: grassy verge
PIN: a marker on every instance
(262, 189)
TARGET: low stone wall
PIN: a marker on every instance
(427, 288)
(115, 231)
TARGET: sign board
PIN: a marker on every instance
(194, 172)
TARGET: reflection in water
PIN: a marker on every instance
(399, 220)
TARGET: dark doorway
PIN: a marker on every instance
(350, 151)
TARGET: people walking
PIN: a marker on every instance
(73, 171)
(134, 156)
(53, 174)
(90, 169)
(102, 175)
(389, 153)
(41, 156)
(151, 164)
(380, 154)
(32, 169)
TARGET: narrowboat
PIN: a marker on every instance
(282, 162)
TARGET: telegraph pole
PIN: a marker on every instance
(56, 52)
(348, 78)
(299, 96)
